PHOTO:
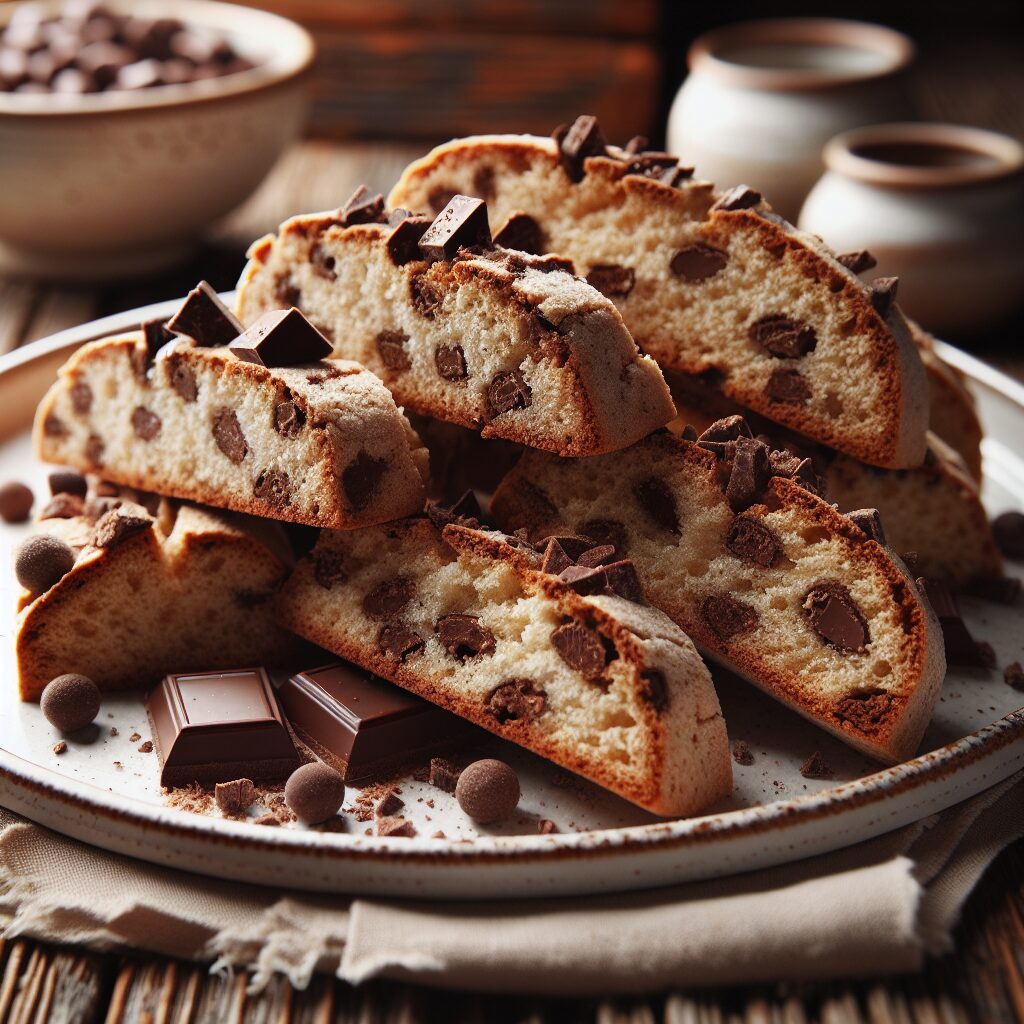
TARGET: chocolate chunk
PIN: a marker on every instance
(582, 649)
(657, 166)
(783, 337)
(637, 144)
(450, 361)
(612, 280)
(389, 598)
(622, 581)
(399, 641)
(753, 541)
(233, 798)
(282, 337)
(68, 481)
(555, 558)
(146, 424)
(329, 568)
(741, 753)
(583, 139)
(742, 197)
(70, 702)
(654, 689)
(315, 792)
(465, 511)
(65, 506)
(522, 233)
(388, 805)
(154, 336)
(443, 774)
(81, 397)
(462, 224)
(698, 262)
(488, 791)
(750, 473)
(15, 502)
(361, 479)
(657, 500)
(518, 700)
(1013, 675)
(729, 428)
(869, 521)
(801, 471)
(727, 617)
(273, 488)
(322, 262)
(42, 561)
(205, 319)
(94, 449)
(403, 244)
(395, 828)
(391, 348)
(507, 391)
(463, 637)
(583, 580)
(53, 426)
(961, 647)
(787, 386)
(227, 432)
(816, 767)
(289, 419)
(883, 294)
(363, 207)
(835, 617)
(117, 525)
(857, 262)
(606, 532)
(182, 376)
(593, 557)
(1008, 531)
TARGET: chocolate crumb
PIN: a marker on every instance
(741, 753)
(395, 828)
(1013, 674)
(389, 805)
(816, 767)
(135, 737)
(234, 797)
(60, 747)
(146, 748)
(113, 730)
(546, 827)
(443, 774)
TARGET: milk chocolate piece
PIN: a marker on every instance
(205, 319)
(461, 224)
(219, 726)
(363, 726)
(282, 337)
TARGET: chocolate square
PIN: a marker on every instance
(460, 225)
(205, 319)
(282, 337)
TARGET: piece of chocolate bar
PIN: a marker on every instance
(282, 337)
(362, 725)
(461, 224)
(219, 726)
(205, 319)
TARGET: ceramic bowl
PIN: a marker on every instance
(124, 183)
(763, 97)
(939, 206)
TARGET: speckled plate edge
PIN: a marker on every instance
(574, 863)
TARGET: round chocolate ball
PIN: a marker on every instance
(488, 790)
(314, 792)
(41, 561)
(70, 702)
(15, 502)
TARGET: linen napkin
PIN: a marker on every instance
(878, 907)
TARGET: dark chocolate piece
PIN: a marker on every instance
(857, 262)
(282, 337)
(698, 262)
(742, 197)
(869, 521)
(783, 337)
(460, 225)
(363, 207)
(362, 725)
(522, 233)
(68, 481)
(612, 280)
(961, 647)
(219, 726)
(835, 617)
(883, 294)
(403, 244)
(582, 139)
(205, 319)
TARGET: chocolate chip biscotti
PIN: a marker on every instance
(557, 652)
(321, 443)
(506, 343)
(729, 540)
(125, 595)
(708, 283)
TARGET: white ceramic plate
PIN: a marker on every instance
(774, 815)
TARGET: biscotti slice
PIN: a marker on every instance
(765, 576)
(707, 283)
(177, 589)
(322, 444)
(601, 684)
(505, 343)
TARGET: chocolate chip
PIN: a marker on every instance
(70, 702)
(507, 391)
(1013, 675)
(65, 506)
(606, 531)
(835, 617)
(53, 426)
(389, 598)
(15, 502)
(81, 397)
(657, 166)
(462, 224)
(205, 319)
(234, 797)
(289, 419)
(869, 521)
(518, 700)
(857, 262)
(729, 428)
(329, 568)
(698, 262)
(273, 488)
(399, 641)
(483, 182)
(612, 280)
(801, 471)
(361, 479)
(391, 348)
(463, 637)
(488, 791)
(787, 386)
(450, 361)
(742, 197)
(584, 580)
(657, 500)
(753, 541)
(749, 475)
(1008, 531)
(883, 294)
(68, 481)
(425, 296)
(42, 561)
(783, 337)
(146, 424)
(322, 262)
(94, 449)
(654, 689)
(286, 293)
(227, 432)
(117, 525)
(727, 617)
(637, 144)
(403, 244)
(363, 207)
(816, 767)
(583, 139)
(182, 376)
(582, 649)
(522, 233)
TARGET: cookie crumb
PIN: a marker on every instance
(135, 737)
(741, 753)
(438, 835)
(146, 748)
(113, 730)
(816, 767)
(60, 747)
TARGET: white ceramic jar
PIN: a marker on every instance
(939, 206)
(763, 97)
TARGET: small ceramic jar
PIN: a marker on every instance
(763, 97)
(939, 206)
